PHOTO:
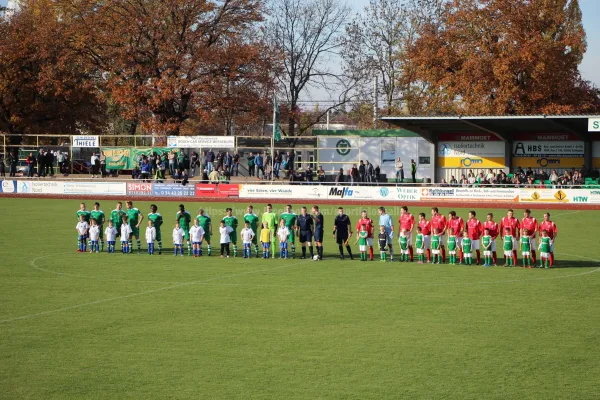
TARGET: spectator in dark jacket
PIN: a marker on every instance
(361, 171)
(210, 159)
(30, 160)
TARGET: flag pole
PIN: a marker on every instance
(273, 139)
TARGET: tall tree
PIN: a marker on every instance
(308, 34)
(168, 61)
(44, 87)
(376, 43)
(503, 57)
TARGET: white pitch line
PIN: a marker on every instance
(91, 303)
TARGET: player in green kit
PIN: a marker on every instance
(135, 218)
(486, 241)
(403, 241)
(525, 242)
(157, 221)
(271, 219)
(467, 249)
(184, 218)
(252, 220)
(116, 216)
(86, 218)
(232, 222)
(452, 246)
(435, 247)
(206, 224)
(363, 234)
(510, 259)
(545, 247)
(420, 245)
(98, 215)
(289, 217)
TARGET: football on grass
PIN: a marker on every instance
(316, 257)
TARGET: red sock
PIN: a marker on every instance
(551, 259)
(478, 256)
(428, 255)
(410, 251)
(514, 257)
(533, 256)
(371, 253)
(494, 257)
(460, 256)
(443, 254)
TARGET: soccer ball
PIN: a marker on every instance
(316, 257)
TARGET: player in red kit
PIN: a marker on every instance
(407, 222)
(426, 231)
(550, 227)
(493, 228)
(438, 222)
(511, 223)
(368, 223)
(458, 225)
(475, 230)
(530, 223)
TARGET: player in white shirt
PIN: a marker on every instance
(283, 233)
(111, 236)
(82, 234)
(126, 231)
(150, 237)
(196, 236)
(225, 239)
(247, 236)
(178, 235)
(94, 233)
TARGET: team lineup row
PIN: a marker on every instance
(463, 239)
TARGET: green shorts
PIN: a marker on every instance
(135, 231)
(102, 232)
(206, 237)
(233, 237)
(187, 233)
(292, 237)
(255, 240)
(158, 235)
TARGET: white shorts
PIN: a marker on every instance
(370, 242)
(468, 255)
(452, 252)
(533, 243)
(525, 253)
(404, 251)
(475, 244)
(493, 246)
(420, 251)
(435, 252)
(459, 242)
(427, 241)
(409, 238)
(508, 254)
(442, 241)
(552, 248)
(363, 247)
(544, 255)
(487, 253)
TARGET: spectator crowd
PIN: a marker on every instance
(521, 178)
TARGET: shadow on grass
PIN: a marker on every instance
(575, 264)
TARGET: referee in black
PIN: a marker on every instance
(304, 223)
(342, 230)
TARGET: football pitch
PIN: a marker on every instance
(110, 326)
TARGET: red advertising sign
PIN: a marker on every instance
(220, 190)
(467, 137)
(139, 189)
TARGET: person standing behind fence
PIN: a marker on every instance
(277, 164)
(250, 164)
(50, 163)
(210, 158)
(361, 172)
(370, 171)
(413, 170)
(235, 166)
(228, 161)
(171, 163)
(12, 164)
(2, 168)
(260, 167)
(399, 170)
(30, 160)
(103, 164)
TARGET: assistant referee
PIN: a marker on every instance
(342, 230)
(305, 225)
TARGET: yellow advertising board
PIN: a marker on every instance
(547, 162)
(471, 162)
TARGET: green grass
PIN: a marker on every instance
(81, 326)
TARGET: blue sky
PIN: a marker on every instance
(590, 67)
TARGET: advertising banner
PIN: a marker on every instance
(173, 190)
(545, 195)
(221, 190)
(127, 157)
(288, 192)
(548, 154)
(100, 188)
(593, 124)
(86, 141)
(396, 193)
(471, 154)
(469, 193)
(40, 187)
(8, 187)
(139, 189)
(195, 142)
